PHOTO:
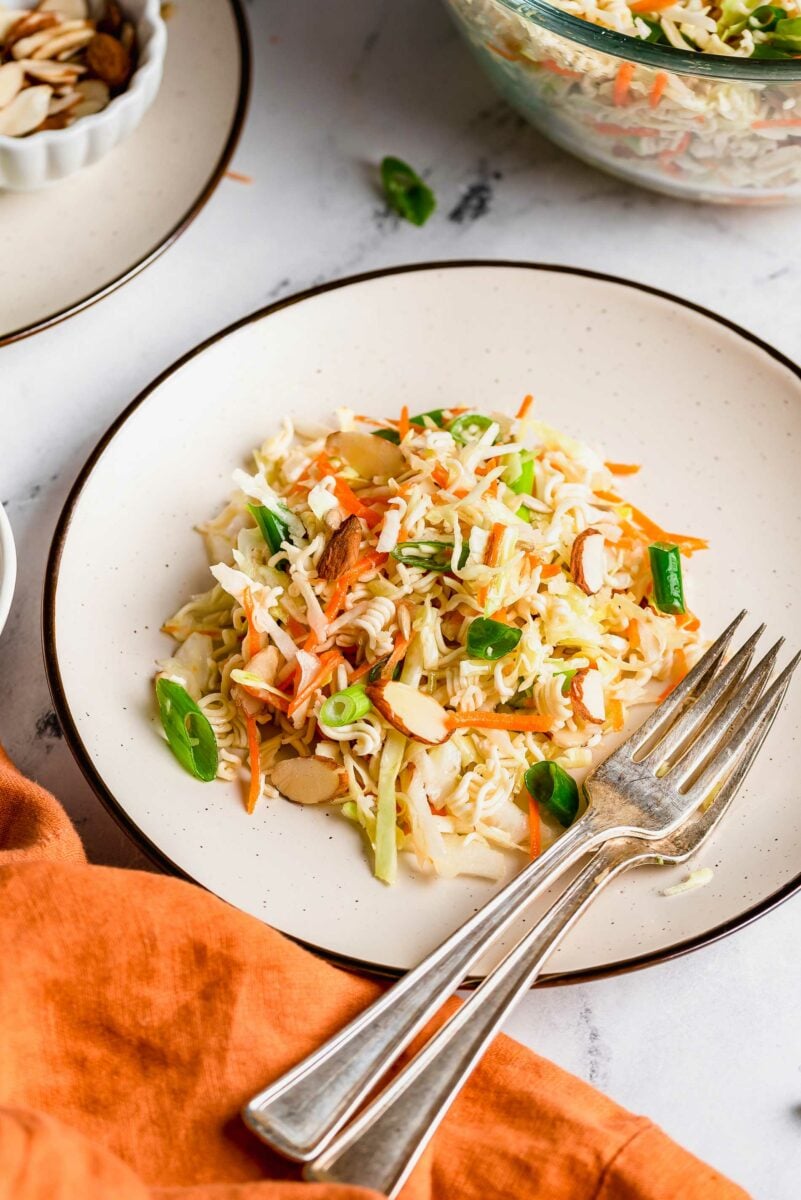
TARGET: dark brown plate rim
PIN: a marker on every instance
(185, 221)
(69, 727)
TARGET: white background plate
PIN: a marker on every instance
(715, 420)
(70, 243)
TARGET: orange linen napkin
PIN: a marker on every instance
(138, 1013)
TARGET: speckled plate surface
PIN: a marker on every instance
(713, 415)
(71, 243)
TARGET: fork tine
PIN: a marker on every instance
(696, 714)
(727, 720)
(693, 682)
(756, 724)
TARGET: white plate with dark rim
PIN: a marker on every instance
(71, 243)
(713, 415)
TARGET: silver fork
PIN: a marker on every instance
(300, 1112)
(380, 1148)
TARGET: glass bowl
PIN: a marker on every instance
(697, 126)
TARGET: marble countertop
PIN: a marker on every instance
(707, 1045)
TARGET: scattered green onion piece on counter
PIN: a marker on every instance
(554, 789)
(431, 556)
(190, 736)
(406, 192)
(666, 573)
(274, 531)
(490, 639)
(345, 707)
(765, 18)
(469, 428)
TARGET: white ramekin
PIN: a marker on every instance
(8, 566)
(31, 162)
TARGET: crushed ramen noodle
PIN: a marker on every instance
(409, 615)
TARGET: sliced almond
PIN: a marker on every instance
(70, 10)
(127, 36)
(26, 47)
(109, 59)
(588, 561)
(410, 711)
(54, 73)
(342, 550)
(307, 780)
(26, 111)
(12, 78)
(370, 456)
(9, 17)
(62, 104)
(26, 24)
(65, 44)
(94, 96)
(587, 695)
(58, 120)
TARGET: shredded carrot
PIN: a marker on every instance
(550, 571)
(254, 641)
(633, 634)
(238, 177)
(499, 50)
(678, 671)
(614, 711)
(398, 651)
(295, 628)
(548, 64)
(370, 562)
(333, 606)
(622, 468)
(610, 497)
(493, 544)
(658, 88)
(323, 465)
(500, 616)
(440, 475)
(649, 6)
(352, 504)
(524, 407)
(328, 663)
(279, 702)
(688, 621)
(685, 543)
(609, 129)
(777, 123)
(516, 722)
(254, 791)
(622, 84)
(534, 830)
(667, 155)
(403, 423)
(374, 421)
(357, 672)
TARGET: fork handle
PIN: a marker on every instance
(380, 1148)
(300, 1112)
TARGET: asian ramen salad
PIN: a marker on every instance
(429, 622)
(695, 134)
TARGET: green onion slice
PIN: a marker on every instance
(469, 428)
(519, 474)
(766, 17)
(375, 672)
(406, 192)
(666, 573)
(345, 707)
(431, 556)
(190, 736)
(554, 789)
(490, 639)
(389, 435)
(568, 674)
(274, 531)
(392, 435)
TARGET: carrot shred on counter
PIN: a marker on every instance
(622, 84)
(328, 662)
(239, 176)
(677, 673)
(524, 407)
(254, 641)
(516, 722)
(534, 830)
(614, 711)
(658, 88)
(254, 790)
(623, 468)
(403, 423)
